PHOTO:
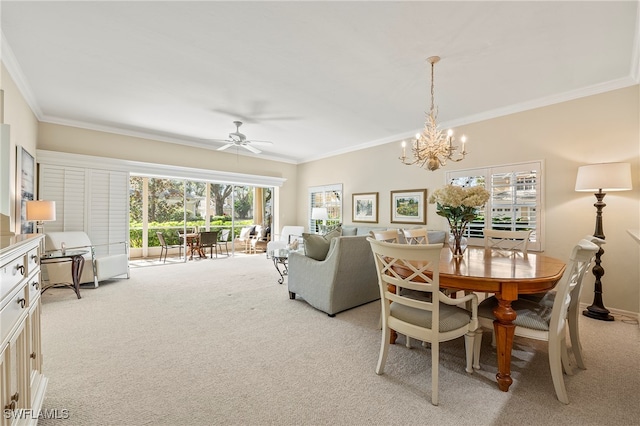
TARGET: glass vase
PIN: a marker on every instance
(457, 245)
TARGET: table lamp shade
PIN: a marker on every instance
(41, 210)
(605, 177)
(319, 213)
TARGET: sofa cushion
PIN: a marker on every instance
(349, 230)
(317, 246)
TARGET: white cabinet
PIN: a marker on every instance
(22, 382)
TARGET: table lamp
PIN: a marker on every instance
(320, 213)
(598, 178)
(40, 212)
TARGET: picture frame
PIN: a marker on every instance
(409, 206)
(25, 186)
(365, 207)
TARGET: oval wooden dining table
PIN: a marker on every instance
(507, 275)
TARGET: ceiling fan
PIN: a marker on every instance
(238, 139)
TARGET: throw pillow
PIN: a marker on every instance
(245, 232)
(263, 232)
(317, 246)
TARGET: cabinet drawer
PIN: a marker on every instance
(33, 260)
(33, 288)
(10, 314)
(11, 273)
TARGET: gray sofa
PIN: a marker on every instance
(346, 278)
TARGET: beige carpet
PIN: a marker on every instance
(219, 342)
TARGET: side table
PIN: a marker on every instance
(75, 257)
(280, 261)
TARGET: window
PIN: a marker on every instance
(167, 205)
(329, 196)
(515, 203)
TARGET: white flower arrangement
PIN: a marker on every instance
(459, 205)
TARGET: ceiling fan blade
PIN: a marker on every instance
(222, 148)
(261, 142)
(250, 148)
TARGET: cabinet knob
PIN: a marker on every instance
(35, 285)
(20, 268)
(35, 258)
(22, 302)
(33, 355)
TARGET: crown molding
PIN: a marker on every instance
(16, 73)
(65, 159)
(494, 113)
(154, 137)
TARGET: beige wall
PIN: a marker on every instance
(24, 130)
(600, 128)
(53, 137)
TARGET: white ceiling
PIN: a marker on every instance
(316, 78)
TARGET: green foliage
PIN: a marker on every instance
(170, 229)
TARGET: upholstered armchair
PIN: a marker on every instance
(102, 261)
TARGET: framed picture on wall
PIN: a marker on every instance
(409, 206)
(25, 186)
(365, 207)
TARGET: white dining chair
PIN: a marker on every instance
(540, 322)
(416, 267)
(548, 298)
(390, 235)
(507, 242)
(416, 236)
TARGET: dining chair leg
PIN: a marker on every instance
(469, 348)
(555, 363)
(384, 350)
(476, 348)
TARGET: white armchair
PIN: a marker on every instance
(286, 236)
(97, 267)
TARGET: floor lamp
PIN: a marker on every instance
(41, 212)
(598, 178)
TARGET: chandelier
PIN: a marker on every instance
(433, 147)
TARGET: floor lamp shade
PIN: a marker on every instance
(605, 177)
(599, 179)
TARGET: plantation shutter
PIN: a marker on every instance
(108, 213)
(65, 186)
(89, 200)
(516, 201)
